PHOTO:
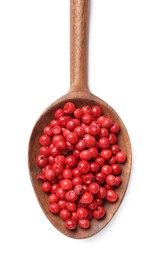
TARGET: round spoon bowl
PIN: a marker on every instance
(79, 98)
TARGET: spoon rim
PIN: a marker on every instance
(79, 233)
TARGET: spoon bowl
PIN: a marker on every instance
(80, 95)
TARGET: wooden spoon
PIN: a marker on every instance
(79, 94)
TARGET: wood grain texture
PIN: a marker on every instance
(79, 20)
(80, 95)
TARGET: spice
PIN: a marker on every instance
(80, 159)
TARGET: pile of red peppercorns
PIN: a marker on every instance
(80, 162)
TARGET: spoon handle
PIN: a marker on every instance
(79, 19)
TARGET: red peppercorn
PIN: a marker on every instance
(71, 195)
(94, 152)
(47, 130)
(70, 160)
(60, 159)
(53, 152)
(89, 140)
(76, 153)
(94, 130)
(94, 167)
(79, 130)
(57, 168)
(40, 176)
(93, 205)
(104, 132)
(106, 154)
(100, 202)
(57, 138)
(112, 138)
(94, 188)
(112, 160)
(99, 213)
(45, 168)
(65, 131)
(54, 208)
(85, 155)
(86, 109)
(114, 149)
(82, 213)
(80, 145)
(74, 216)
(67, 173)
(84, 223)
(58, 113)
(41, 160)
(107, 122)
(100, 161)
(72, 138)
(66, 184)
(60, 193)
(65, 214)
(96, 111)
(120, 157)
(54, 188)
(104, 142)
(79, 189)
(44, 150)
(111, 196)
(87, 198)
(78, 113)
(50, 175)
(71, 206)
(60, 145)
(108, 187)
(116, 169)
(111, 180)
(54, 123)
(88, 178)
(100, 177)
(63, 121)
(46, 187)
(87, 119)
(83, 166)
(76, 172)
(69, 108)
(106, 169)
(70, 224)
(85, 188)
(71, 124)
(80, 157)
(45, 140)
(77, 180)
(53, 198)
(101, 193)
(62, 203)
(69, 147)
(100, 119)
(86, 128)
(117, 181)
(56, 130)
(115, 128)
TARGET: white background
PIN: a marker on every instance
(126, 69)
